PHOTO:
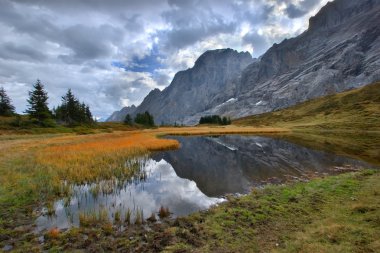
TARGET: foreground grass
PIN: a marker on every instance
(332, 214)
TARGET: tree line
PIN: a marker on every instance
(215, 119)
(145, 119)
(71, 112)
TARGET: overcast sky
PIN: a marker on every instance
(111, 53)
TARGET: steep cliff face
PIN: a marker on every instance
(210, 82)
(339, 51)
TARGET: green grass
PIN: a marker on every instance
(356, 110)
(333, 214)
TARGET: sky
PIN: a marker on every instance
(111, 53)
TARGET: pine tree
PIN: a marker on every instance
(89, 118)
(72, 112)
(38, 107)
(69, 107)
(6, 108)
(145, 119)
(128, 120)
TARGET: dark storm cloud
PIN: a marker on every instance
(253, 16)
(89, 42)
(192, 21)
(101, 6)
(10, 51)
(258, 42)
(133, 23)
(86, 42)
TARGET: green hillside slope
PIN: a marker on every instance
(357, 109)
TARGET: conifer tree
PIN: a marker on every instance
(88, 114)
(145, 119)
(128, 120)
(6, 107)
(72, 112)
(38, 107)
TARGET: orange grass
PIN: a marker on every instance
(101, 157)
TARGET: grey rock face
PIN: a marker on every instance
(339, 51)
(210, 82)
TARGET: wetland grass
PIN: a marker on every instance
(93, 218)
(163, 212)
(139, 219)
(117, 216)
(127, 217)
(152, 218)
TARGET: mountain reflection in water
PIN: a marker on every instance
(235, 163)
(195, 177)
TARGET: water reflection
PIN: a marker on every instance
(195, 177)
(236, 163)
(161, 187)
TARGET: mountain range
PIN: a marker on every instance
(339, 51)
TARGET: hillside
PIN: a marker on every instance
(358, 109)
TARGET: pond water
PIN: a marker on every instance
(193, 178)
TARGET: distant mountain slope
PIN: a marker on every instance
(196, 89)
(339, 51)
(358, 109)
(120, 115)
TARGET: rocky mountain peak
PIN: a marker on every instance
(211, 56)
(336, 12)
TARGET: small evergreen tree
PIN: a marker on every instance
(88, 115)
(128, 120)
(145, 119)
(72, 112)
(38, 107)
(6, 108)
